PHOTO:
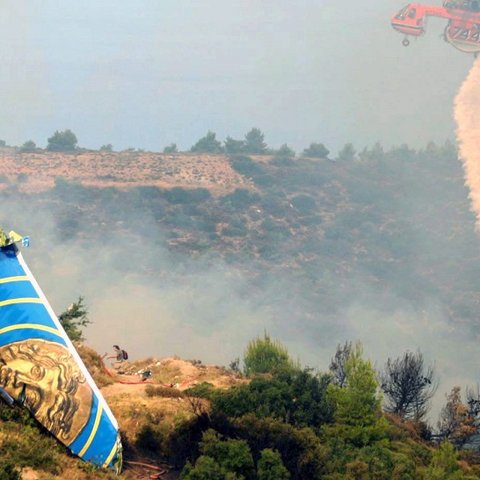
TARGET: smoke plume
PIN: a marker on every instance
(466, 112)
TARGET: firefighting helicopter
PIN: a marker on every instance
(462, 30)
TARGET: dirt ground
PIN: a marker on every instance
(134, 408)
(35, 172)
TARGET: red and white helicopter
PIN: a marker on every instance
(462, 30)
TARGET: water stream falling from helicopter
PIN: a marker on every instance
(466, 105)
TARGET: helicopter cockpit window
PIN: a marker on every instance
(401, 14)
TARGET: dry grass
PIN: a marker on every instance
(141, 406)
(34, 172)
(94, 364)
(182, 374)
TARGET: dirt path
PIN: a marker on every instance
(120, 388)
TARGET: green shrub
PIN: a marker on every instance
(8, 471)
(181, 195)
(236, 227)
(183, 442)
(316, 150)
(347, 153)
(245, 165)
(172, 148)
(28, 147)
(274, 203)
(232, 455)
(280, 161)
(303, 203)
(271, 467)
(358, 420)
(240, 199)
(74, 319)
(294, 396)
(205, 468)
(302, 453)
(208, 144)
(16, 414)
(263, 180)
(444, 465)
(164, 392)
(255, 142)
(65, 141)
(264, 355)
(33, 448)
(234, 146)
(151, 438)
(284, 152)
(202, 390)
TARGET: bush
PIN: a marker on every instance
(296, 396)
(303, 203)
(28, 147)
(301, 450)
(245, 165)
(444, 465)
(347, 153)
(236, 227)
(316, 150)
(274, 204)
(16, 414)
(172, 148)
(164, 392)
(202, 390)
(271, 467)
(358, 420)
(65, 141)
(205, 468)
(181, 195)
(149, 193)
(234, 146)
(208, 144)
(263, 180)
(183, 442)
(302, 453)
(280, 161)
(32, 449)
(284, 152)
(232, 455)
(240, 199)
(8, 471)
(264, 355)
(254, 142)
(150, 438)
(73, 319)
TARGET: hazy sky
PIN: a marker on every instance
(146, 73)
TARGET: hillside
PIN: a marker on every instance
(36, 172)
(379, 247)
(161, 427)
(392, 228)
(137, 406)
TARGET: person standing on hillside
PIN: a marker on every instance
(119, 355)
